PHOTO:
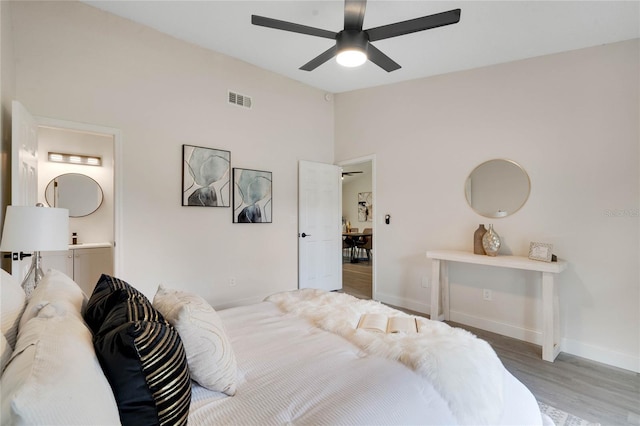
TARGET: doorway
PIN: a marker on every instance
(358, 216)
(104, 223)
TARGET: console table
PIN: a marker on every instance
(440, 278)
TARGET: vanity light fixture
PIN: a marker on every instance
(85, 160)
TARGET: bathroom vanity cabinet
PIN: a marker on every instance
(84, 263)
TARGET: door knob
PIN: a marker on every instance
(305, 235)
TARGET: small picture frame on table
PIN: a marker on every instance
(541, 251)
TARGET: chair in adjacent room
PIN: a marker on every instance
(349, 243)
(346, 247)
(366, 242)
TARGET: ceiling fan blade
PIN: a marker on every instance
(414, 25)
(380, 59)
(290, 26)
(354, 14)
(320, 59)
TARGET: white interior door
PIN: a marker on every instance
(24, 170)
(319, 226)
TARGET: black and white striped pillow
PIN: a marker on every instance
(141, 355)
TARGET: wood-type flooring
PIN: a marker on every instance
(356, 279)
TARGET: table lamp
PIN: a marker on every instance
(28, 230)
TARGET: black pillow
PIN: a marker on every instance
(146, 366)
(108, 292)
(129, 307)
(141, 355)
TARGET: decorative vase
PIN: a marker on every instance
(491, 242)
(477, 239)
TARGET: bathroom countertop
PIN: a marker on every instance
(89, 245)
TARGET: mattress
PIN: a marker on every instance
(291, 372)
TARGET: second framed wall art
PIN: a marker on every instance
(252, 201)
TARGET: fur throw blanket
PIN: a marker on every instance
(462, 368)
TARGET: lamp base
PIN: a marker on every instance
(34, 275)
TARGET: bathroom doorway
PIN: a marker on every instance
(102, 226)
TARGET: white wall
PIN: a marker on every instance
(77, 63)
(98, 226)
(572, 121)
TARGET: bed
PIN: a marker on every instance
(296, 358)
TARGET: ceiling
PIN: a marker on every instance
(364, 167)
(489, 32)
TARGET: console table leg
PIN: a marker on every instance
(444, 274)
(435, 291)
(550, 344)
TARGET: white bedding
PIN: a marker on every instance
(294, 373)
(463, 369)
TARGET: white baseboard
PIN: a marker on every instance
(573, 347)
(599, 354)
(504, 329)
(532, 336)
(402, 302)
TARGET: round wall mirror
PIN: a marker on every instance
(497, 188)
(76, 192)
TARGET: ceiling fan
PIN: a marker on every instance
(349, 173)
(353, 44)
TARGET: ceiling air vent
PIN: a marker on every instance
(239, 100)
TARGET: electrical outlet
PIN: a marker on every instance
(425, 281)
(486, 294)
(232, 281)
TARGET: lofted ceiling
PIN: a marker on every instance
(489, 32)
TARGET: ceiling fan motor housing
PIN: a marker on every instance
(352, 40)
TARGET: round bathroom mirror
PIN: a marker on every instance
(497, 188)
(76, 192)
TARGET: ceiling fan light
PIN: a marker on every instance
(351, 58)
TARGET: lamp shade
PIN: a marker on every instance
(29, 229)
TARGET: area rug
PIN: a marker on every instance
(562, 418)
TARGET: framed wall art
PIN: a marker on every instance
(365, 207)
(252, 201)
(205, 177)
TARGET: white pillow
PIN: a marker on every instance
(54, 376)
(54, 286)
(12, 303)
(5, 352)
(210, 357)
